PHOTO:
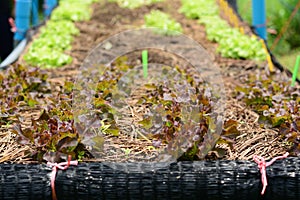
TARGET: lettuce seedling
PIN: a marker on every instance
(277, 103)
(163, 22)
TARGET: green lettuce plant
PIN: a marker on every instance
(163, 22)
(132, 4)
(232, 43)
(48, 50)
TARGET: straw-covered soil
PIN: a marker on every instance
(109, 19)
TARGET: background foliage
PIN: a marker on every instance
(278, 12)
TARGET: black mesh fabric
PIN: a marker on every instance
(183, 180)
(24, 182)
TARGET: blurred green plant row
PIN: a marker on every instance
(278, 13)
(163, 22)
(132, 4)
(48, 50)
(232, 43)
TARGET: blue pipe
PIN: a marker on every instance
(23, 10)
(49, 5)
(35, 12)
(259, 18)
(55, 2)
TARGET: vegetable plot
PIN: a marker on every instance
(232, 43)
(277, 103)
(152, 114)
(48, 50)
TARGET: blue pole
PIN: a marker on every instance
(55, 3)
(259, 18)
(47, 8)
(23, 10)
(49, 5)
(35, 12)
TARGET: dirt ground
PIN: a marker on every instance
(109, 19)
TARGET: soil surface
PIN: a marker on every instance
(109, 19)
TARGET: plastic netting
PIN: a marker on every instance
(183, 180)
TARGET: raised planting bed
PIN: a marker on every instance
(162, 104)
(147, 133)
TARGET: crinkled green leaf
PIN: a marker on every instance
(146, 123)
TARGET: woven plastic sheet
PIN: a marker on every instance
(184, 180)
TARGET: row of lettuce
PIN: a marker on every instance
(55, 38)
(232, 43)
(132, 4)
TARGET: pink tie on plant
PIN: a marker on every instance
(62, 166)
(262, 164)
